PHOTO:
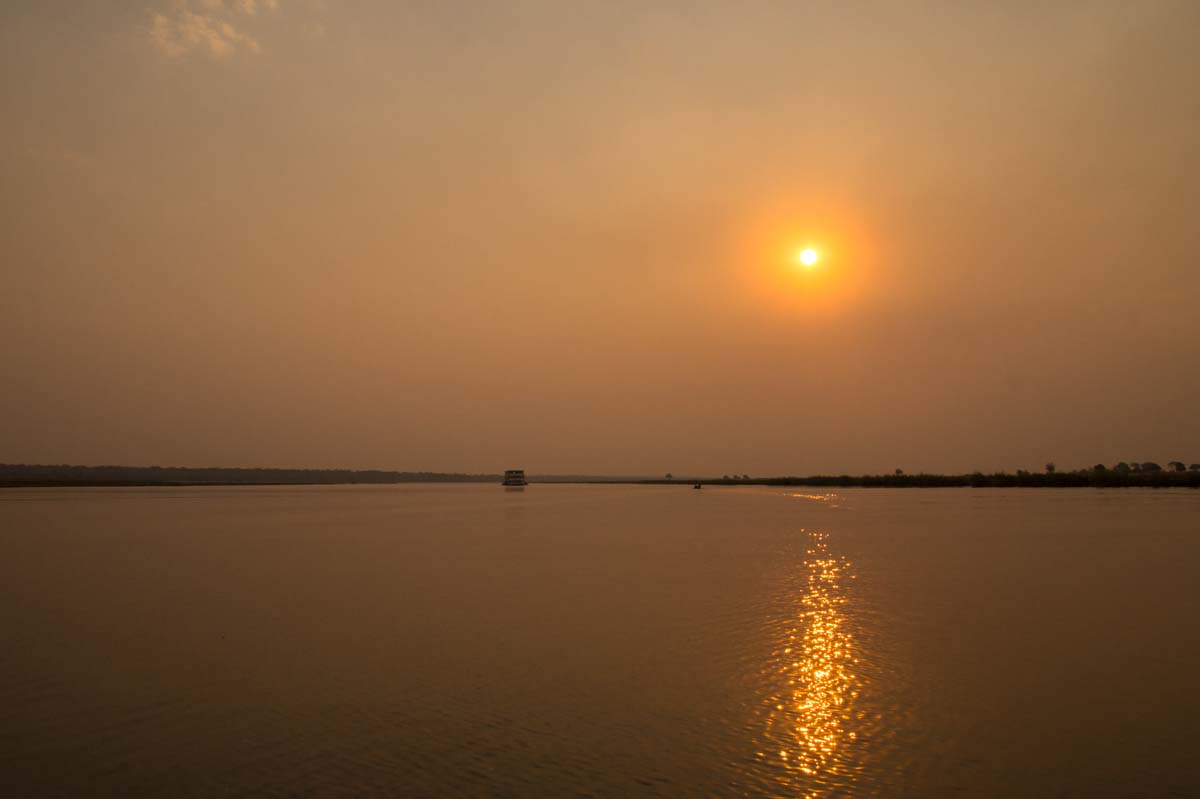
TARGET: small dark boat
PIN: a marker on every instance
(515, 477)
(697, 485)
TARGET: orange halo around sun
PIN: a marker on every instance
(805, 258)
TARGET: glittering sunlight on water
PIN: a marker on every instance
(810, 716)
(832, 499)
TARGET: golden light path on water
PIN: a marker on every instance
(809, 719)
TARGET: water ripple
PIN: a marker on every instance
(810, 714)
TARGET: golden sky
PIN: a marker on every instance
(561, 236)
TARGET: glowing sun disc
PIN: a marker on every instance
(808, 256)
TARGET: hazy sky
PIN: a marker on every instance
(555, 235)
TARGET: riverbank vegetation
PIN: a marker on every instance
(1123, 475)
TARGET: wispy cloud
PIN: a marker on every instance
(251, 7)
(215, 28)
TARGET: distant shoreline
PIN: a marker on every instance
(1082, 479)
(68, 476)
(20, 475)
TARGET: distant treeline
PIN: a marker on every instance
(21, 474)
(1148, 475)
(1093, 478)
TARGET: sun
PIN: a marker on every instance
(808, 256)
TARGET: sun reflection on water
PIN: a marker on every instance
(809, 718)
(831, 499)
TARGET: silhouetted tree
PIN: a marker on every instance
(1151, 466)
(670, 476)
(899, 471)
(1123, 467)
(1195, 467)
(1099, 467)
(1176, 466)
(1050, 467)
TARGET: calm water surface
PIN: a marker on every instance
(599, 641)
